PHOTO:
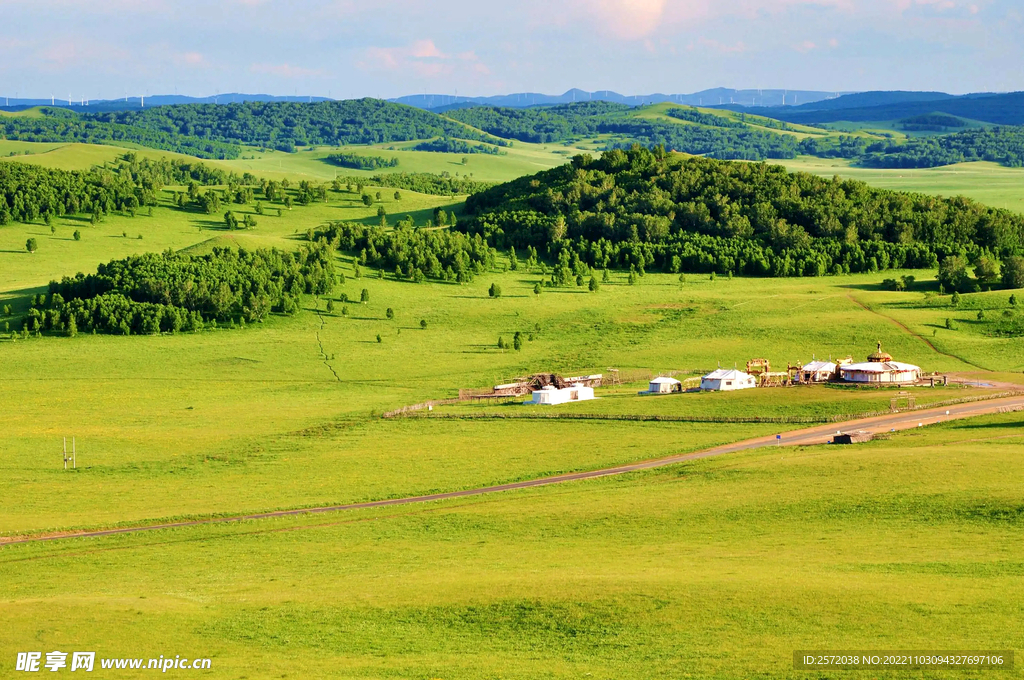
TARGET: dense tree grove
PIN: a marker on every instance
(449, 145)
(31, 192)
(360, 162)
(542, 124)
(286, 125)
(645, 208)
(412, 253)
(155, 293)
(1003, 145)
(720, 137)
(932, 122)
(422, 182)
(59, 125)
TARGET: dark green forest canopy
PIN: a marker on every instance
(171, 291)
(449, 145)
(28, 192)
(361, 162)
(642, 207)
(1004, 145)
(421, 182)
(286, 125)
(540, 125)
(414, 254)
(59, 125)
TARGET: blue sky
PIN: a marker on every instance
(385, 48)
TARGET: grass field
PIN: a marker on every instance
(989, 183)
(714, 569)
(718, 568)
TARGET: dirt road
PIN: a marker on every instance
(813, 435)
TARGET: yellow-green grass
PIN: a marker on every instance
(659, 112)
(118, 236)
(76, 156)
(719, 568)
(519, 159)
(243, 420)
(893, 128)
(34, 112)
(989, 183)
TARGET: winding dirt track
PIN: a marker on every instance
(813, 435)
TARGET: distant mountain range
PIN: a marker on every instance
(714, 97)
(127, 103)
(988, 107)
(794, 106)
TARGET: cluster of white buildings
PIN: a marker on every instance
(880, 368)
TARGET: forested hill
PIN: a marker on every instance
(645, 208)
(286, 125)
(58, 125)
(540, 125)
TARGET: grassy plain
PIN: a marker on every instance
(718, 568)
(989, 183)
(714, 569)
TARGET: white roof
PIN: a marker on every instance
(817, 366)
(727, 374)
(661, 379)
(879, 367)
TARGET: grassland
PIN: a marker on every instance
(715, 569)
(989, 183)
(719, 568)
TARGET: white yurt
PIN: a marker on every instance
(664, 385)
(727, 379)
(880, 368)
(817, 371)
(551, 395)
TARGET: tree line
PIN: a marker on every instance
(643, 208)
(450, 145)
(60, 125)
(287, 125)
(413, 254)
(170, 292)
(360, 162)
(420, 182)
(32, 192)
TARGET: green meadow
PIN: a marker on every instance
(718, 568)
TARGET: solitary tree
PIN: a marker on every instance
(31, 245)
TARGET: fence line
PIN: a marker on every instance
(670, 418)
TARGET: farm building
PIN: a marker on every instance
(817, 371)
(664, 385)
(724, 380)
(880, 368)
(551, 395)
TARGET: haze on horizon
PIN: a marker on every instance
(102, 49)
